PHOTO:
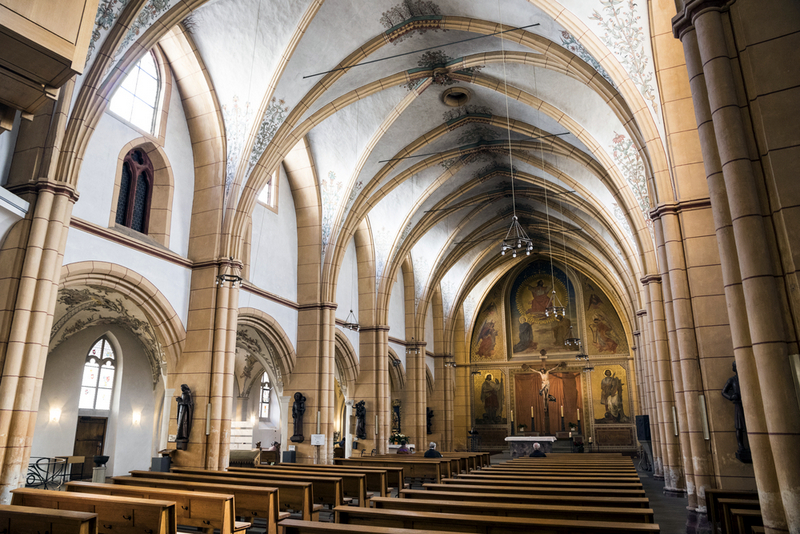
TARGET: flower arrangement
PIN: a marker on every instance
(397, 438)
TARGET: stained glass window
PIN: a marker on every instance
(266, 390)
(133, 202)
(97, 384)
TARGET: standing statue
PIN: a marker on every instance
(185, 416)
(732, 392)
(429, 414)
(361, 420)
(298, 409)
(396, 426)
(545, 374)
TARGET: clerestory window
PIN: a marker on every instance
(136, 99)
(135, 190)
(266, 391)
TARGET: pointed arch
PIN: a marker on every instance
(397, 373)
(347, 365)
(277, 342)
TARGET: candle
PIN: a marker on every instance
(512, 415)
(531, 411)
(376, 424)
(562, 410)
(579, 414)
(317, 421)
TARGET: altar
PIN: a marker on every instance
(523, 445)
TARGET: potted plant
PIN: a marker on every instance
(397, 437)
(522, 427)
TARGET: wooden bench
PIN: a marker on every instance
(327, 490)
(251, 502)
(520, 498)
(729, 521)
(536, 490)
(544, 478)
(482, 523)
(354, 485)
(295, 496)
(449, 466)
(746, 519)
(377, 478)
(292, 526)
(715, 512)
(596, 513)
(560, 472)
(205, 511)
(412, 468)
(125, 515)
(34, 519)
(552, 482)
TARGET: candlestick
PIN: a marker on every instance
(579, 414)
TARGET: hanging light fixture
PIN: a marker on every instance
(412, 347)
(572, 341)
(555, 309)
(351, 323)
(516, 240)
(229, 275)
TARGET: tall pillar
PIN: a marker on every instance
(372, 386)
(461, 388)
(415, 393)
(751, 232)
(32, 318)
(674, 480)
(646, 354)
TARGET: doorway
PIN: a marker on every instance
(90, 437)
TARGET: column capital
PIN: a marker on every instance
(650, 278)
(641, 313)
(320, 306)
(57, 188)
(691, 9)
(375, 328)
(673, 208)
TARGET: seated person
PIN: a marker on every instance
(432, 452)
(537, 453)
(403, 449)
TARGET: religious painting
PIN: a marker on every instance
(537, 288)
(489, 392)
(610, 395)
(605, 333)
(488, 335)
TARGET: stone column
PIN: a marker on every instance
(28, 339)
(762, 297)
(286, 414)
(674, 480)
(372, 386)
(415, 393)
(461, 388)
(348, 436)
(646, 353)
(772, 507)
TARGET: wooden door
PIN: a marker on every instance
(90, 438)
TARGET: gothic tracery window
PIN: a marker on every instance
(97, 384)
(135, 188)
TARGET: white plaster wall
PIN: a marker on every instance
(397, 308)
(130, 447)
(8, 140)
(354, 339)
(286, 316)
(171, 279)
(12, 209)
(99, 168)
(429, 339)
(347, 283)
(400, 350)
(273, 253)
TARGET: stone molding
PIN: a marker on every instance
(57, 188)
(678, 207)
(684, 20)
(645, 280)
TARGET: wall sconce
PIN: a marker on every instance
(253, 420)
(136, 418)
(55, 415)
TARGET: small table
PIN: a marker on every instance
(523, 445)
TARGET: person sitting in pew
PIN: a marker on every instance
(403, 449)
(537, 452)
(432, 452)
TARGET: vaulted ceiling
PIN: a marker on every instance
(420, 114)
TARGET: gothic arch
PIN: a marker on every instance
(397, 373)
(276, 342)
(347, 365)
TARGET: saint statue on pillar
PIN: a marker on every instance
(298, 409)
(185, 415)
(732, 392)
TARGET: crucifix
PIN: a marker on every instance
(544, 391)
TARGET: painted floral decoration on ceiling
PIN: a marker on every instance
(569, 42)
(108, 11)
(331, 192)
(410, 17)
(440, 63)
(274, 115)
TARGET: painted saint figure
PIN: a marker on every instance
(602, 334)
(541, 297)
(611, 398)
(185, 415)
(491, 396)
(487, 334)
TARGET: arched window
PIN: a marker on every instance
(266, 391)
(98, 377)
(267, 195)
(135, 187)
(136, 99)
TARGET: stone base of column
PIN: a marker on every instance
(658, 477)
(676, 493)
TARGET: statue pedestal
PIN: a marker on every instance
(523, 445)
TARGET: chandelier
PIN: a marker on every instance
(572, 341)
(228, 275)
(555, 309)
(516, 239)
(351, 323)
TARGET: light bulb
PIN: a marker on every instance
(514, 255)
(528, 253)
(503, 252)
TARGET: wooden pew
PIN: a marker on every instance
(292, 526)
(728, 505)
(562, 472)
(354, 485)
(545, 478)
(412, 468)
(206, 511)
(466, 462)
(125, 515)
(596, 513)
(552, 482)
(536, 490)
(483, 523)
(252, 503)
(377, 478)
(449, 466)
(745, 519)
(524, 498)
(327, 490)
(34, 519)
(715, 513)
(297, 496)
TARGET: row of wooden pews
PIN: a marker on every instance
(734, 512)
